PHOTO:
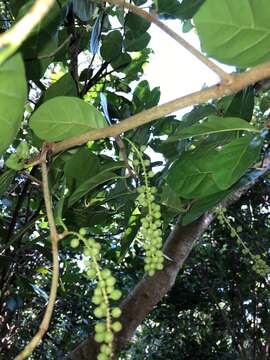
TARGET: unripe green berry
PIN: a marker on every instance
(106, 273)
(74, 243)
(117, 326)
(151, 174)
(116, 312)
(109, 289)
(98, 291)
(100, 327)
(90, 242)
(99, 312)
(110, 281)
(83, 231)
(91, 273)
(100, 337)
(105, 349)
(147, 162)
(143, 148)
(108, 337)
(115, 295)
(87, 252)
(102, 356)
(97, 300)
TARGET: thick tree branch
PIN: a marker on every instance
(240, 81)
(74, 45)
(11, 40)
(224, 77)
(150, 290)
(55, 273)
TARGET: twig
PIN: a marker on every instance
(240, 82)
(55, 274)
(60, 47)
(11, 40)
(223, 75)
(123, 154)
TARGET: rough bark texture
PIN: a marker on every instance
(150, 290)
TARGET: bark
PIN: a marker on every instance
(150, 290)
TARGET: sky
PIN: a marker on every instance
(173, 68)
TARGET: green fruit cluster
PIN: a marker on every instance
(150, 230)
(151, 223)
(104, 292)
(258, 264)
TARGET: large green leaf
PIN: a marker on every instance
(63, 117)
(65, 86)
(204, 172)
(213, 125)
(230, 162)
(133, 42)
(111, 46)
(204, 204)
(144, 98)
(242, 104)
(105, 174)
(13, 91)
(137, 23)
(174, 9)
(5, 180)
(82, 165)
(235, 32)
(42, 42)
(84, 9)
(208, 202)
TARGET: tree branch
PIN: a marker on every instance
(55, 273)
(240, 81)
(150, 290)
(11, 40)
(223, 75)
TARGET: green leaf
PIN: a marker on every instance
(5, 181)
(242, 104)
(82, 165)
(188, 178)
(265, 104)
(42, 42)
(137, 23)
(202, 205)
(84, 9)
(234, 159)
(174, 9)
(208, 202)
(63, 117)
(213, 125)
(134, 43)
(235, 32)
(144, 98)
(105, 174)
(13, 91)
(121, 62)
(95, 35)
(170, 199)
(207, 171)
(111, 46)
(65, 86)
(131, 230)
